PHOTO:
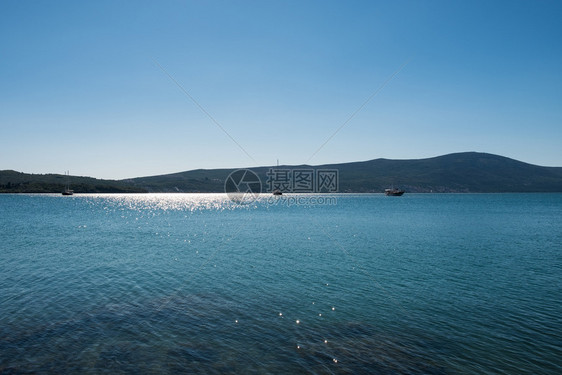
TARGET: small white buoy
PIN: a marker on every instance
(298, 321)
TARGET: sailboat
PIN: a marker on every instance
(67, 190)
(277, 192)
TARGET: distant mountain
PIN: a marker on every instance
(17, 182)
(461, 172)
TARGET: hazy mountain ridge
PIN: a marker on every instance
(459, 172)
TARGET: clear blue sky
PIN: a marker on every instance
(80, 89)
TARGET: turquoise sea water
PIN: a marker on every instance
(419, 284)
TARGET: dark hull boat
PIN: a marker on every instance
(393, 192)
(67, 190)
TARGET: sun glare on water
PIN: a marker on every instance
(165, 202)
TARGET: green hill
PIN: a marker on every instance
(460, 172)
(17, 182)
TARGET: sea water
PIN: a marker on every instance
(194, 283)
